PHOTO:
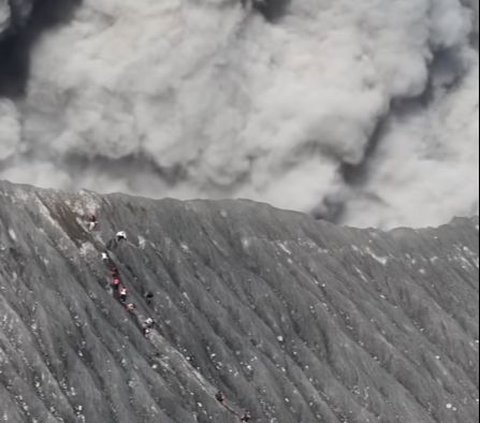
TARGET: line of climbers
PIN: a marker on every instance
(222, 399)
(120, 292)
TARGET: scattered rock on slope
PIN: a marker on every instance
(293, 319)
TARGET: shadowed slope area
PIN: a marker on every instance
(294, 319)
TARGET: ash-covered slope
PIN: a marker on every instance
(295, 320)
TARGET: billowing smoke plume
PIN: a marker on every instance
(364, 112)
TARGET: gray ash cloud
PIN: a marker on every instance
(27, 19)
(363, 115)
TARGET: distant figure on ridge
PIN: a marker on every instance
(92, 222)
(246, 417)
(148, 297)
(114, 272)
(121, 235)
(220, 397)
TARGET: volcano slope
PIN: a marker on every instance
(293, 319)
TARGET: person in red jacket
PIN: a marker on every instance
(116, 283)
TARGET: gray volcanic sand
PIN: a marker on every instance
(294, 319)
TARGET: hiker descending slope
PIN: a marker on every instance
(123, 294)
(148, 297)
(121, 236)
(92, 222)
(222, 399)
(246, 417)
(115, 241)
(147, 325)
(114, 272)
(109, 262)
(116, 283)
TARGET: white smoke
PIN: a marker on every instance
(4, 16)
(426, 169)
(9, 129)
(204, 99)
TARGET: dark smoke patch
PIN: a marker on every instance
(140, 165)
(330, 209)
(357, 174)
(272, 10)
(445, 74)
(28, 20)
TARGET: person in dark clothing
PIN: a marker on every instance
(115, 241)
(246, 417)
(148, 297)
(110, 264)
(121, 236)
(220, 397)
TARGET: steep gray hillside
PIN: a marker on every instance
(293, 319)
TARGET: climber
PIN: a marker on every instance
(130, 307)
(123, 294)
(147, 325)
(119, 236)
(114, 271)
(116, 283)
(110, 263)
(220, 397)
(246, 417)
(92, 222)
(148, 297)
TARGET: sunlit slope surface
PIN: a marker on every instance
(294, 319)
